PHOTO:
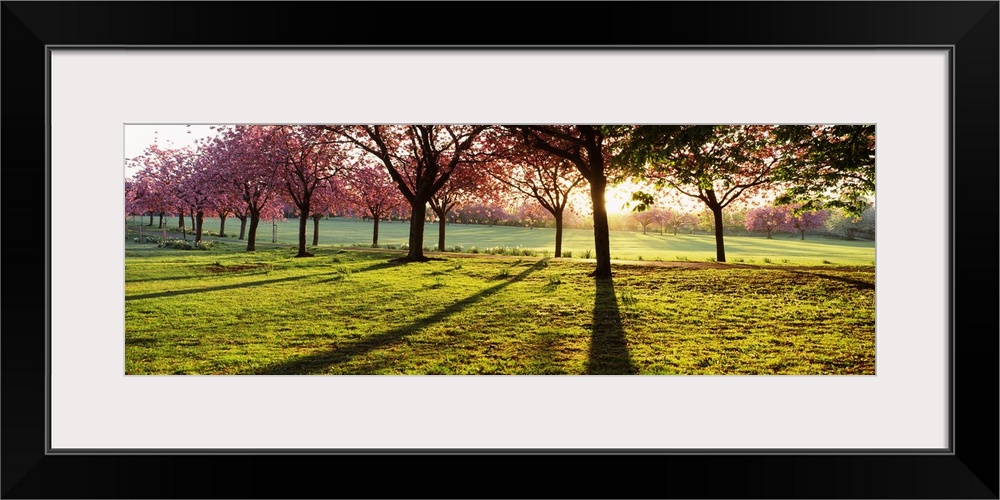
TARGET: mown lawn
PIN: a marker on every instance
(626, 245)
(225, 311)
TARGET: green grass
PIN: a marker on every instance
(225, 311)
(626, 245)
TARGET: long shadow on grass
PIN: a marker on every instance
(608, 349)
(317, 362)
(863, 285)
(172, 293)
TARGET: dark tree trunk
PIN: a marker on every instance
(161, 219)
(416, 251)
(184, 233)
(644, 229)
(243, 226)
(559, 231)
(375, 234)
(720, 246)
(316, 229)
(192, 220)
(602, 240)
(199, 220)
(303, 219)
(181, 220)
(222, 226)
(803, 233)
(768, 234)
(252, 234)
(441, 228)
(150, 218)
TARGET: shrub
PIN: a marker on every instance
(555, 279)
(586, 255)
(568, 254)
(176, 244)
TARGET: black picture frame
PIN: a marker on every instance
(969, 470)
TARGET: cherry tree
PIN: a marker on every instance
(530, 214)
(420, 159)
(672, 220)
(170, 168)
(328, 198)
(768, 219)
(538, 175)
(371, 192)
(807, 220)
(309, 158)
(839, 167)
(588, 148)
(490, 212)
(715, 164)
(468, 184)
(646, 218)
(249, 166)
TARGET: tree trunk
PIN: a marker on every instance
(768, 234)
(252, 235)
(222, 226)
(316, 229)
(184, 233)
(803, 233)
(559, 228)
(180, 220)
(243, 226)
(602, 240)
(441, 223)
(150, 218)
(375, 234)
(720, 246)
(197, 227)
(193, 226)
(416, 251)
(303, 219)
(161, 219)
(644, 229)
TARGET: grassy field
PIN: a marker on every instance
(625, 245)
(225, 311)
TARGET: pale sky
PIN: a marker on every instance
(138, 137)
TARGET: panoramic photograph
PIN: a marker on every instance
(467, 249)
